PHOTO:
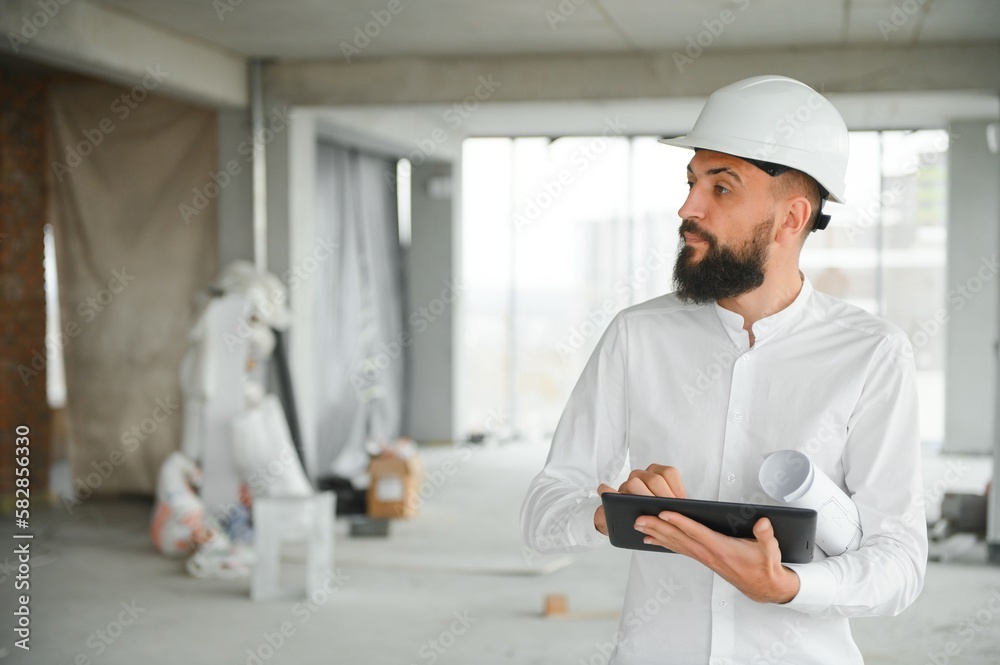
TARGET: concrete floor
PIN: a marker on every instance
(450, 586)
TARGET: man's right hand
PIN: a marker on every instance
(655, 480)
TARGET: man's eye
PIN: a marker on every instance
(721, 189)
(690, 185)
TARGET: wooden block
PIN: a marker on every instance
(556, 604)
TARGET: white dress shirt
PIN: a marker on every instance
(679, 384)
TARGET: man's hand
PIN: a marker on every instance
(752, 566)
(655, 480)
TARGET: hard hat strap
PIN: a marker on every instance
(774, 170)
(770, 168)
(822, 219)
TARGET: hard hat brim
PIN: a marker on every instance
(736, 147)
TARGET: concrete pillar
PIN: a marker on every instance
(973, 290)
(291, 251)
(431, 385)
(993, 509)
(235, 201)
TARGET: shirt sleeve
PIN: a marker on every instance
(588, 448)
(882, 472)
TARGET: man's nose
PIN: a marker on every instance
(693, 207)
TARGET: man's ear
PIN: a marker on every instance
(798, 212)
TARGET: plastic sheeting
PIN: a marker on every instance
(124, 162)
(360, 353)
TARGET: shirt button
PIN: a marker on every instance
(738, 416)
(718, 661)
(731, 477)
(723, 603)
(746, 356)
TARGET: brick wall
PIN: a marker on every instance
(23, 201)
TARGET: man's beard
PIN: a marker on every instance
(723, 272)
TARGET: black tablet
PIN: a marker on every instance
(795, 528)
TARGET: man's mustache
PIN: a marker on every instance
(690, 226)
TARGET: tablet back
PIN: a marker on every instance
(795, 528)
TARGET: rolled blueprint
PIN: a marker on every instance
(790, 477)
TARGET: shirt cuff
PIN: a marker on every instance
(583, 531)
(817, 588)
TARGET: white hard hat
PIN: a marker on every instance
(775, 120)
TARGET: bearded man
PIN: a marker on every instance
(790, 368)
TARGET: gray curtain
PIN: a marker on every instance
(360, 355)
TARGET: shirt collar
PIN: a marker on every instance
(764, 328)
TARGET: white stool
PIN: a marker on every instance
(278, 520)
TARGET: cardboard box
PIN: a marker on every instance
(395, 485)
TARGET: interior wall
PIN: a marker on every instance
(23, 214)
(973, 290)
(432, 294)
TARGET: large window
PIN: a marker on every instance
(558, 235)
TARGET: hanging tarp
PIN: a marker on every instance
(125, 163)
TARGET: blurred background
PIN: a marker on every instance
(422, 215)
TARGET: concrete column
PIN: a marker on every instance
(431, 387)
(993, 509)
(235, 201)
(291, 251)
(973, 290)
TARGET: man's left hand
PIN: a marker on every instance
(752, 566)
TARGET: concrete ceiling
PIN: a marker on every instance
(308, 29)
(401, 130)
